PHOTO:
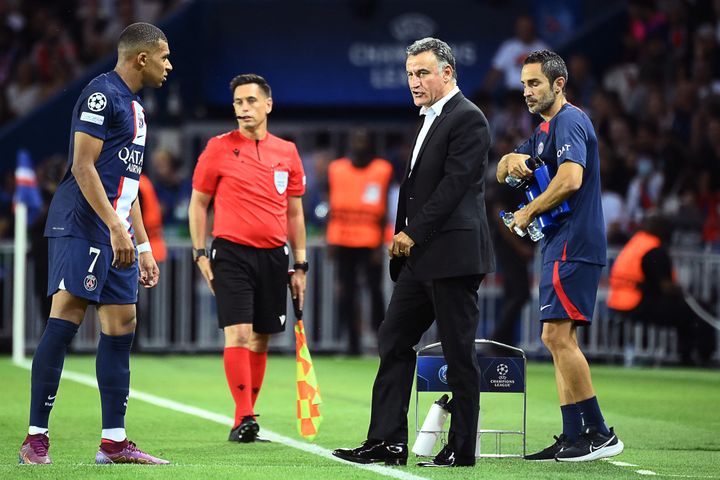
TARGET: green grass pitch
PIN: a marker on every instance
(669, 420)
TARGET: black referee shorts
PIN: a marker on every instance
(250, 285)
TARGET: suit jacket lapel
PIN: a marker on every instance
(449, 106)
(412, 148)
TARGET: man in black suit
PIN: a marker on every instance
(439, 255)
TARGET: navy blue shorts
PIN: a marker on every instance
(568, 290)
(84, 268)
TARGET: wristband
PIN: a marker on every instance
(144, 247)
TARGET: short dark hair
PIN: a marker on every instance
(139, 36)
(246, 78)
(441, 50)
(551, 64)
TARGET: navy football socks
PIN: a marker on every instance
(47, 367)
(112, 368)
(572, 421)
(592, 417)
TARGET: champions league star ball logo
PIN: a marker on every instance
(442, 374)
(502, 369)
(96, 102)
(90, 283)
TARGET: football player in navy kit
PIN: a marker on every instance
(573, 253)
(98, 247)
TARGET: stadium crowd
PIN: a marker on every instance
(656, 110)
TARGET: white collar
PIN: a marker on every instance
(438, 106)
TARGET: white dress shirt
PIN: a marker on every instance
(431, 113)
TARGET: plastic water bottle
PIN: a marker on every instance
(543, 179)
(432, 427)
(514, 181)
(534, 231)
(508, 218)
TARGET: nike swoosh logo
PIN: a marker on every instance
(544, 307)
(593, 448)
(52, 397)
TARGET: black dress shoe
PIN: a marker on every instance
(447, 458)
(375, 451)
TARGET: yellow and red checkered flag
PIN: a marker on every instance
(308, 393)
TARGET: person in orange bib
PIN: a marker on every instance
(644, 288)
(358, 187)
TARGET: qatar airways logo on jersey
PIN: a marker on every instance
(132, 158)
(563, 149)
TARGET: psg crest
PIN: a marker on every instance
(90, 282)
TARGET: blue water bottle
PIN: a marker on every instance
(542, 176)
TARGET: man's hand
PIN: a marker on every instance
(203, 264)
(516, 165)
(149, 271)
(123, 248)
(298, 282)
(522, 219)
(401, 245)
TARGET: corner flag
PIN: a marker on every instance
(27, 203)
(26, 187)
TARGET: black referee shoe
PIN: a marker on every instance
(246, 432)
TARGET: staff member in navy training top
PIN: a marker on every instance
(573, 254)
(92, 220)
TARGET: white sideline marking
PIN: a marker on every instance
(622, 464)
(228, 421)
(650, 472)
(675, 475)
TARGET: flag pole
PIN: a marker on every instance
(19, 266)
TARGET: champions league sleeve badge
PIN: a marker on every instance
(97, 102)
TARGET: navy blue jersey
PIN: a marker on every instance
(570, 136)
(107, 110)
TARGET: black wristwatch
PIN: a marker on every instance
(301, 266)
(198, 252)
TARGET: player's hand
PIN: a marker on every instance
(401, 245)
(203, 264)
(522, 219)
(149, 271)
(298, 282)
(516, 165)
(123, 248)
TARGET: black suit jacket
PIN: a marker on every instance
(443, 199)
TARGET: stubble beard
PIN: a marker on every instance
(543, 104)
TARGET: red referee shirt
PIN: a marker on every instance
(251, 181)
